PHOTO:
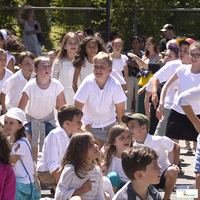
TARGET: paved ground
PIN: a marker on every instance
(188, 178)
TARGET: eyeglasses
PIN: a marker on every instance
(183, 51)
(195, 55)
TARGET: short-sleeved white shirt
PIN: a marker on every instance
(119, 63)
(107, 186)
(27, 160)
(188, 80)
(99, 105)
(164, 74)
(13, 88)
(9, 56)
(116, 166)
(42, 102)
(159, 145)
(7, 75)
(69, 182)
(54, 148)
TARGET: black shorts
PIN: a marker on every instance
(180, 127)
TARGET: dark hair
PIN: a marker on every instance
(76, 153)
(143, 37)
(12, 43)
(20, 133)
(5, 148)
(62, 53)
(89, 32)
(39, 59)
(156, 49)
(137, 158)
(183, 42)
(113, 34)
(135, 38)
(68, 112)
(80, 55)
(23, 54)
(111, 148)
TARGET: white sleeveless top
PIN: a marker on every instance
(30, 41)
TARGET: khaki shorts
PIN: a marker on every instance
(47, 178)
(162, 124)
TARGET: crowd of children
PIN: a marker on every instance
(72, 105)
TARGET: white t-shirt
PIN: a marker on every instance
(116, 166)
(164, 74)
(13, 87)
(119, 63)
(9, 56)
(99, 105)
(115, 74)
(26, 158)
(69, 182)
(188, 80)
(190, 97)
(159, 145)
(42, 102)
(54, 148)
(107, 187)
(7, 75)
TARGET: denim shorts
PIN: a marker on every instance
(48, 127)
(197, 156)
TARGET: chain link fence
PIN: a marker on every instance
(55, 22)
(185, 21)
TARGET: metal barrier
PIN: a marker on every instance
(55, 22)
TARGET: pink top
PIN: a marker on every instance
(7, 182)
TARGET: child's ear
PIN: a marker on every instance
(110, 70)
(20, 66)
(138, 175)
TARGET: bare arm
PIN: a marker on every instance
(10, 65)
(23, 101)
(61, 99)
(3, 105)
(120, 108)
(19, 19)
(75, 79)
(139, 61)
(126, 78)
(56, 175)
(14, 159)
(160, 110)
(146, 103)
(154, 84)
(78, 104)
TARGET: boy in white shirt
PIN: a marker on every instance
(13, 86)
(99, 95)
(56, 143)
(139, 125)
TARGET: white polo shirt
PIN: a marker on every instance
(13, 87)
(159, 144)
(55, 145)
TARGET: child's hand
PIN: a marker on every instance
(88, 127)
(160, 112)
(87, 186)
(106, 196)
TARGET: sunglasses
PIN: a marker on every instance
(195, 55)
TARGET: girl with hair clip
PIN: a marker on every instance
(7, 174)
(21, 156)
(83, 61)
(30, 39)
(80, 176)
(119, 139)
(10, 43)
(62, 68)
